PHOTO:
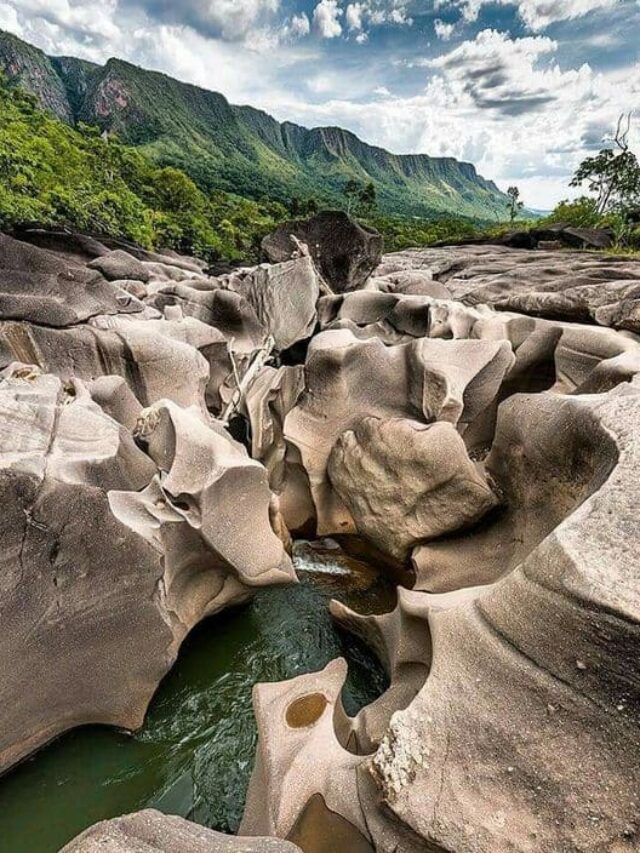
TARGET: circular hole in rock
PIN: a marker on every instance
(306, 710)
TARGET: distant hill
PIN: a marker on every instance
(242, 149)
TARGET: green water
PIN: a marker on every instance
(195, 753)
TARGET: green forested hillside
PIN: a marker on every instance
(53, 174)
(241, 149)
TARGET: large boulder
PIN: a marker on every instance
(283, 297)
(248, 305)
(150, 831)
(306, 792)
(566, 235)
(345, 252)
(120, 265)
(406, 482)
(348, 379)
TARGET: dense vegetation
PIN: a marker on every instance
(53, 174)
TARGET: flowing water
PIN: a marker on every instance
(195, 753)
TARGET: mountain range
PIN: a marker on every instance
(238, 148)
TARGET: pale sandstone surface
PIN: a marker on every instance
(517, 704)
(566, 285)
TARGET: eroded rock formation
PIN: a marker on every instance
(574, 286)
(405, 482)
(473, 415)
(112, 554)
(512, 722)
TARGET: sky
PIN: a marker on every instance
(524, 89)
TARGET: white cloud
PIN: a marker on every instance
(354, 14)
(376, 13)
(538, 14)
(495, 70)
(90, 19)
(443, 30)
(399, 16)
(326, 19)
(9, 19)
(229, 19)
(298, 27)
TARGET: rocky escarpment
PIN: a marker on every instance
(487, 456)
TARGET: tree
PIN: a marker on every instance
(613, 174)
(351, 190)
(367, 199)
(581, 213)
(175, 192)
(514, 205)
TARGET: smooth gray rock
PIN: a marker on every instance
(575, 286)
(120, 265)
(407, 482)
(150, 831)
(41, 287)
(111, 555)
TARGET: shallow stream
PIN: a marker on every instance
(195, 753)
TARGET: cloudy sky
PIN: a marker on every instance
(521, 88)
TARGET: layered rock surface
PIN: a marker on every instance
(575, 286)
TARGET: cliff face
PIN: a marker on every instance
(30, 68)
(239, 148)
